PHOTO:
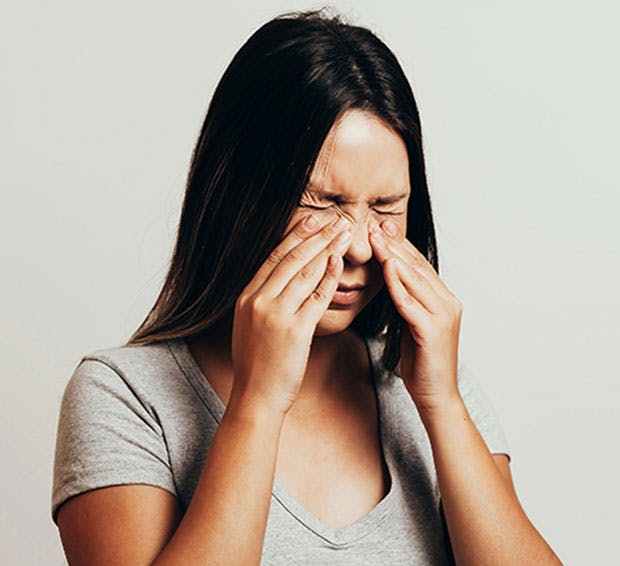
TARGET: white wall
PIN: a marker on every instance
(100, 106)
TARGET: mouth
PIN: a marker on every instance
(348, 295)
(350, 287)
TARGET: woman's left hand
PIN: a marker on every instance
(429, 350)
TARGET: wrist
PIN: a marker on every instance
(449, 408)
(246, 408)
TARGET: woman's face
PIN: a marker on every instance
(362, 173)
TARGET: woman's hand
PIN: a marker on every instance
(277, 312)
(429, 350)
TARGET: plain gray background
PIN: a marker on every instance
(101, 105)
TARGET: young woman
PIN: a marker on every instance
(294, 396)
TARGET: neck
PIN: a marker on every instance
(326, 370)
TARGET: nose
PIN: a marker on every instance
(360, 249)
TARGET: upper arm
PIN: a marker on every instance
(114, 495)
(485, 418)
(123, 524)
(503, 463)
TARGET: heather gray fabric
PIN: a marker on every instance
(147, 414)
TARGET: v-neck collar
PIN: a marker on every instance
(337, 537)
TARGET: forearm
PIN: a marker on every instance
(486, 522)
(226, 519)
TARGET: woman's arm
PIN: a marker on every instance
(226, 519)
(274, 321)
(486, 522)
(484, 517)
(224, 523)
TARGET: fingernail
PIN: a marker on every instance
(310, 221)
(389, 227)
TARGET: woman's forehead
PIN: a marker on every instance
(361, 157)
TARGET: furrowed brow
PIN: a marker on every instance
(330, 195)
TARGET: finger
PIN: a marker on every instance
(386, 247)
(305, 281)
(318, 302)
(393, 235)
(379, 245)
(407, 305)
(298, 257)
(418, 286)
(299, 234)
(416, 273)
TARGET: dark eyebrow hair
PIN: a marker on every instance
(330, 195)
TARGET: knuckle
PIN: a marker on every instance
(417, 276)
(319, 295)
(294, 255)
(277, 322)
(330, 273)
(241, 301)
(276, 256)
(292, 331)
(328, 233)
(306, 273)
(271, 318)
(258, 305)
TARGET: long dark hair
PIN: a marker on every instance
(264, 128)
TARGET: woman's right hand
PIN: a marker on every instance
(277, 312)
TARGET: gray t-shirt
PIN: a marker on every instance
(147, 414)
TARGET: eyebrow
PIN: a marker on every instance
(330, 195)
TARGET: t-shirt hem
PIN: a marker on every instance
(72, 487)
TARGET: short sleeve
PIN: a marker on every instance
(106, 436)
(482, 412)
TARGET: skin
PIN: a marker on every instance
(486, 522)
(362, 160)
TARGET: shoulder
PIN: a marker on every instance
(133, 362)
(109, 427)
(127, 369)
(117, 380)
(112, 387)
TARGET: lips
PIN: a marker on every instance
(347, 295)
(350, 287)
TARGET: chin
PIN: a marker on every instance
(339, 317)
(335, 321)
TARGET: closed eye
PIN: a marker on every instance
(393, 213)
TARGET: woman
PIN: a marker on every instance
(294, 395)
